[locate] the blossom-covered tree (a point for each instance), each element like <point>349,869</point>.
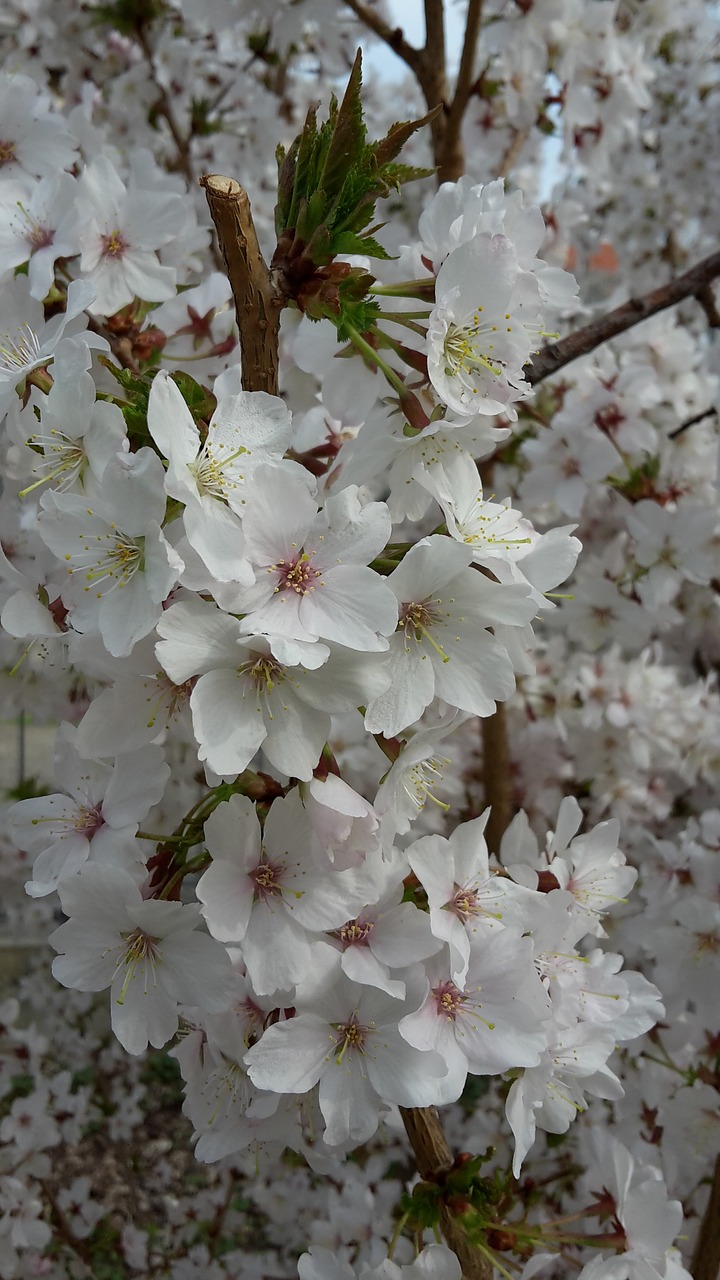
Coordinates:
<point>385,798</point>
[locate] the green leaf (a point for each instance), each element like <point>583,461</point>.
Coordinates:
<point>358,315</point>
<point>387,148</point>
<point>349,242</point>
<point>297,166</point>
<point>348,137</point>
<point>199,400</point>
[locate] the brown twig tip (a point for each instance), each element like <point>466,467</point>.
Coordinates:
<point>258,302</point>
<point>222,187</point>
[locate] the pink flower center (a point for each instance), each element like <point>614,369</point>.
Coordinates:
<point>417,616</point>
<point>40,237</point>
<point>298,575</point>
<point>448,999</point>
<point>89,820</point>
<point>267,878</point>
<point>351,1035</point>
<point>114,244</point>
<point>356,932</point>
<point>464,903</point>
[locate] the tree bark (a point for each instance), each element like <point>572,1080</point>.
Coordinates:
<point>258,303</point>
<point>433,1156</point>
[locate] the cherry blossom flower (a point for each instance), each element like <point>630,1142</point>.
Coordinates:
<point>31,341</point>
<point>120,233</point>
<point>35,140</point>
<point>149,954</point>
<point>39,229</point>
<point>441,647</point>
<point>124,567</point>
<point>260,887</point>
<point>95,816</point>
<point>247,698</point>
<point>312,579</point>
<point>348,1044</point>
<point>482,1027</point>
<point>483,328</point>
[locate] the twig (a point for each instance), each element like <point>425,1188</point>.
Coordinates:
<point>520,137</point>
<point>433,1156</point>
<point>581,343</point>
<point>496,776</point>
<point>164,108</point>
<point>705,1263</point>
<point>258,302</point>
<point>394,37</point>
<point>685,426</point>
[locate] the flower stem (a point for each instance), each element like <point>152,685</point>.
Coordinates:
<point>372,355</point>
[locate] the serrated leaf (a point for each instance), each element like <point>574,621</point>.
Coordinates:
<point>348,139</point>
<point>286,163</point>
<point>348,242</point>
<point>359,315</point>
<point>301,152</point>
<point>397,174</point>
<point>387,148</point>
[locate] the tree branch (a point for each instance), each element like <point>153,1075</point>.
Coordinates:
<point>453,162</point>
<point>435,31</point>
<point>258,302</point>
<point>705,1263</point>
<point>555,356</point>
<point>164,108</point>
<point>394,37</point>
<point>434,1157</point>
<point>496,776</point>
<point>519,138</point>
<point>690,422</point>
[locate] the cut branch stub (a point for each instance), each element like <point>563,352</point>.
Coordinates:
<point>258,298</point>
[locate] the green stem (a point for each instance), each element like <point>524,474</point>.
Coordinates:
<point>493,1259</point>
<point>156,839</point>
<point>371,354</point>
<point>396,1235</point>
<point>663,1062</point>
<point>197,863</point>
<point>404,319</point>
<point>405,289</point>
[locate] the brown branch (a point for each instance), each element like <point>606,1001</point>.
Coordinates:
<point>690,422</point>
<point>433,1158</point>
<point>452,165</point>
<point>705,1263</point>
<point>708,302</point>
<point>165,109</point>
<point>558,354</point>
<point>258,302</point>
<point>394,37</point>
<point>496,776</point>
<point>519,138</point>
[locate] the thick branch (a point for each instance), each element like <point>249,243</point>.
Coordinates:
<point>452,163</point>
<point>433,1156</point>
<point>706,1258</point>
<point>257,303</point>
<point>690,285</point>
<point>496,776</point>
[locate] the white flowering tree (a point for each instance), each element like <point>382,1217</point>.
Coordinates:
<point>365,549</point>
